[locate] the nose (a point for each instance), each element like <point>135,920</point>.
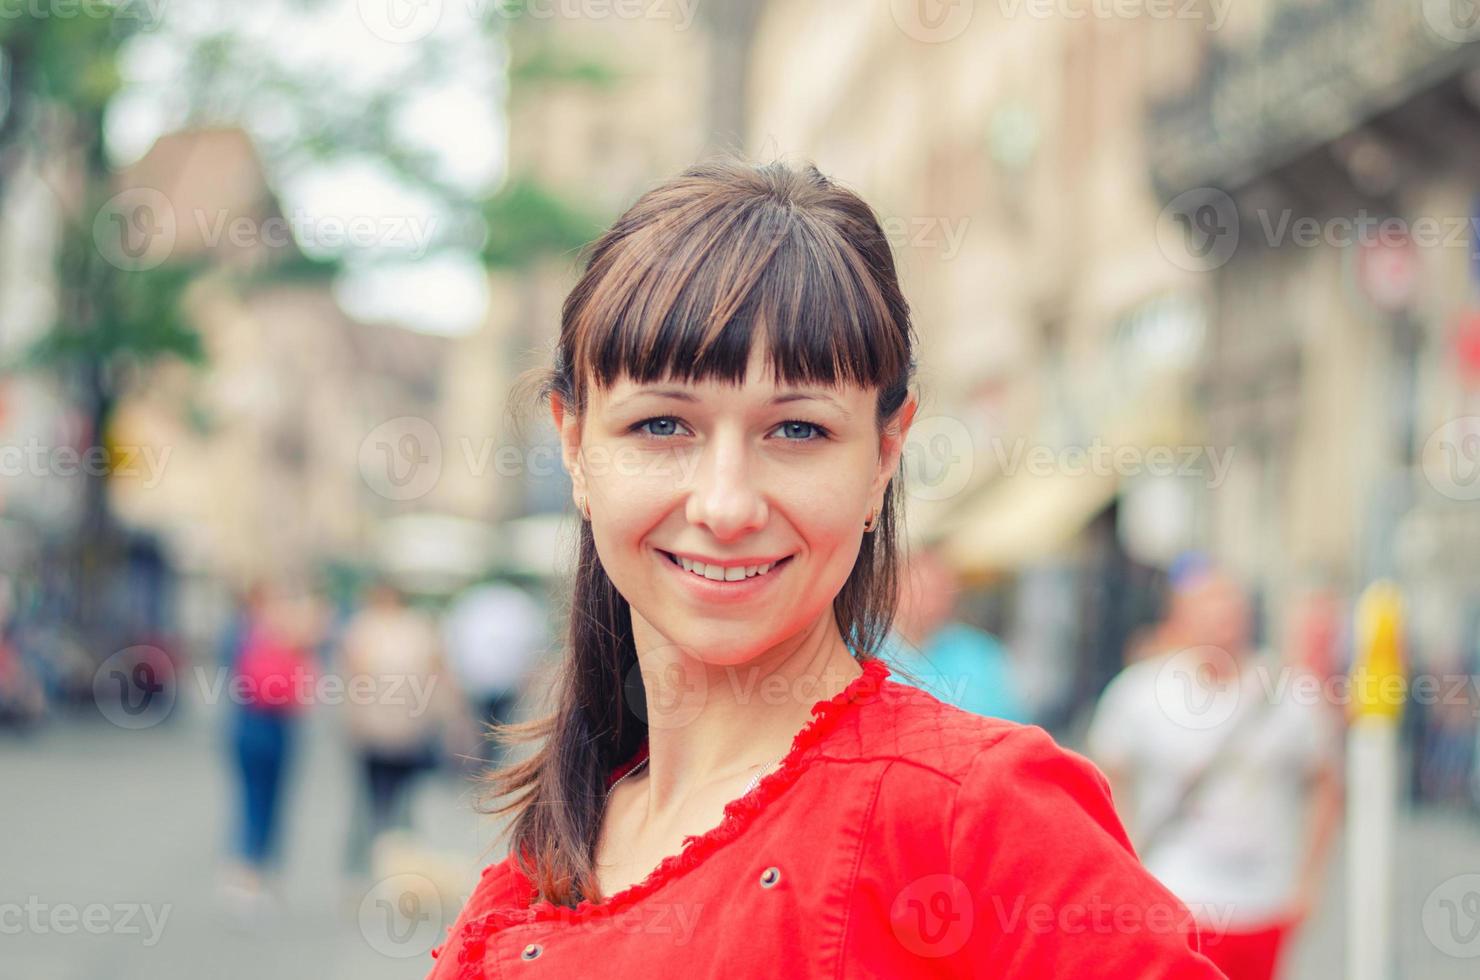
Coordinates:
<point>724,496</point>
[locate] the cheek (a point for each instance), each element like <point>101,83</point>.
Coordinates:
<point>639,498</point>
<point>830,488</point>
<point>825,518</point>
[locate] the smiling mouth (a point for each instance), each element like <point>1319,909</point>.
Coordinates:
<point>715,573</point>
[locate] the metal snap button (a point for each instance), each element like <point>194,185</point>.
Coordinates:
<point>531,951</point>
<point>770,876</point>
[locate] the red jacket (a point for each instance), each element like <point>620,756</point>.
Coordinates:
<point>900,837</point>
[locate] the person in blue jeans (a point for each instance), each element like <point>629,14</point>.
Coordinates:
<point>957,663</point>
<point>271,667</point>
<point>263,742</point>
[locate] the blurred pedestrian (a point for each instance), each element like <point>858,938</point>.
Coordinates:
<point>22,696</point>
<point>495,633</point>
<point>391,659</point>
<point>271,683</point>
<point>1225,773</point>
<point>957,663</point>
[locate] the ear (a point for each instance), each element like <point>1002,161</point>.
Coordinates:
<point>568,427</point>
<point>891,444</point>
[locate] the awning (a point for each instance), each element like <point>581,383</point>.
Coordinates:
<point>1019,520</point>
<point>1036,510</point>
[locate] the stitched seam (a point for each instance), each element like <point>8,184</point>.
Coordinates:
<point>864,828</point>
<point>986,744</point>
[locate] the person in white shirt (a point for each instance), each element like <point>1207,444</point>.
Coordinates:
<point>401,704</point>
<point>1224,767</point>
<point>494,634</point>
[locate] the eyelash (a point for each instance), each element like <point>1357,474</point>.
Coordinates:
<point>822,432</point>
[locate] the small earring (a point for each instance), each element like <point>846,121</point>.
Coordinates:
<point>868,525</point>
<point>584,507</point>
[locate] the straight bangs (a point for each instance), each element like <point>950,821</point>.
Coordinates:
<point>685,296</point>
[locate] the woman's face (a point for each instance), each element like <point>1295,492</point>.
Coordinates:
<point>742,479</point>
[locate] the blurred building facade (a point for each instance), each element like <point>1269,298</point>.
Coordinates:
<point>999,153</point>
<point>263,468</point>
<point>1337,143</point>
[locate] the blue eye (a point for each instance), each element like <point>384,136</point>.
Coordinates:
<point>821,432</point>
<point>660,419</point>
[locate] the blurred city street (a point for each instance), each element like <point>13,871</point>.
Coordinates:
<point>141,818</point>
<point>137,817</point>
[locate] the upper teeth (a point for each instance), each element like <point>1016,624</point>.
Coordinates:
<point>719,574</point>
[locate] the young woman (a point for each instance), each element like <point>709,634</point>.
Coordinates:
<point>731,784</point>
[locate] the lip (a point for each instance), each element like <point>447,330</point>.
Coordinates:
<point>712,591</point>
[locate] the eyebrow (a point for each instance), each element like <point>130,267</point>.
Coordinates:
<point>680,394</point>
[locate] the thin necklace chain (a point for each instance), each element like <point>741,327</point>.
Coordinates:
<point>754,780</point>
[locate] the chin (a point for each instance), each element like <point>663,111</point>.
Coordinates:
<point>717,646</point>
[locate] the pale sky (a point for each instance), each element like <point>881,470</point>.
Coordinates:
<point>359,44</point>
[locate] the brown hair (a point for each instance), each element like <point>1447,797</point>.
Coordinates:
<point>677,289</point>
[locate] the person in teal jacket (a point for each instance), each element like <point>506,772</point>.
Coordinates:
<point>957,663</point>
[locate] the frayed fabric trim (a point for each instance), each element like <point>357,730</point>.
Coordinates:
<point>738,815</point>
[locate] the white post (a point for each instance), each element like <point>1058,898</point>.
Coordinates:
<point>1378,689</point>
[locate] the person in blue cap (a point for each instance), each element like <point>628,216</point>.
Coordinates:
<point>957,663</point>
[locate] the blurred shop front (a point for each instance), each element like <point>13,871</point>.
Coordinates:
<point>1064,547</point>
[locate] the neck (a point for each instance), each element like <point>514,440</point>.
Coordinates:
<point>714,724</point>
